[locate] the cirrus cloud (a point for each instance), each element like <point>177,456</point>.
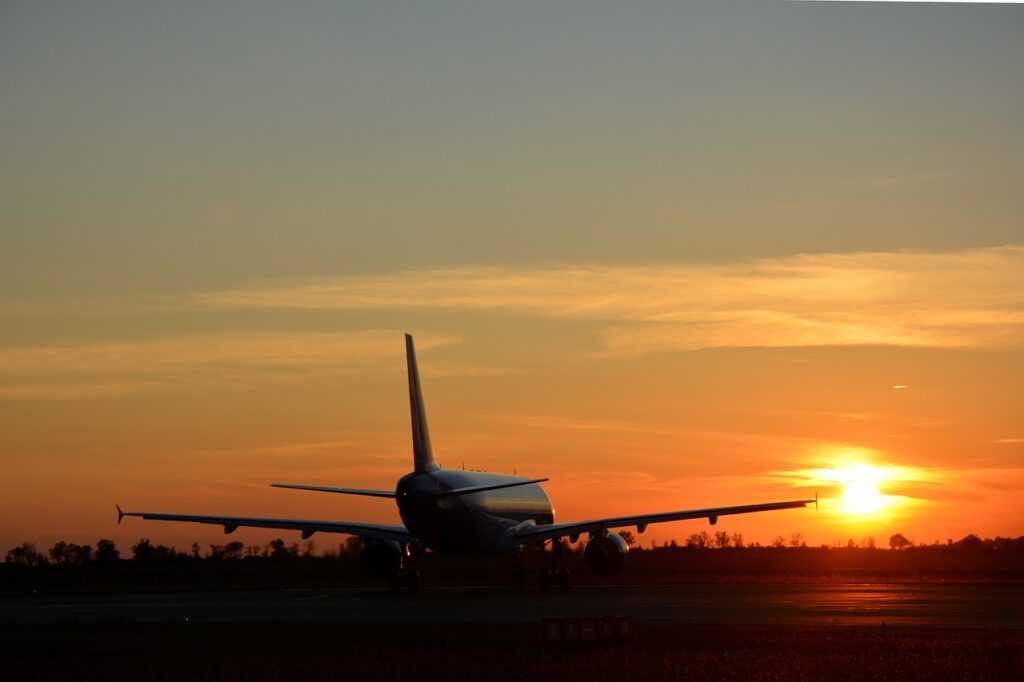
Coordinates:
<point>100,369</point>
<point>965,298</point>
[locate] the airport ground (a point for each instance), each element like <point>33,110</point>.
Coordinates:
<point>716,614</point>
<point>750,631</point>
<point>660,651</point>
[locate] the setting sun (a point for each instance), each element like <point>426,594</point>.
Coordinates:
<point>860,494</point>
<point>864,489</point>
<point>861,497</point>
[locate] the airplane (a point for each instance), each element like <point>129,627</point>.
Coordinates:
<point>468,512</point>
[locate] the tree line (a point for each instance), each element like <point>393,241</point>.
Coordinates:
<point>144,551</point>
<point>897,541</point>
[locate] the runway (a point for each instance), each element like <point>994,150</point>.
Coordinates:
<point>946,605</point>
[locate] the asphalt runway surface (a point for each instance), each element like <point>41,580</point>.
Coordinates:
<point>946,605</point>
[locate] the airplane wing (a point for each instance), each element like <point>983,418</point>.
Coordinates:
<point>231,523</point>
<point>574,529</point>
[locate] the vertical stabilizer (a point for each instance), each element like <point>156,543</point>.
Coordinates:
<point>423,456</point>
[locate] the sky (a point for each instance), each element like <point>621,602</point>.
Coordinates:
<point>668,254</point>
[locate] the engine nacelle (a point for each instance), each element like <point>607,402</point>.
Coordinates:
<point>381,559</point>
<point>605,554</point>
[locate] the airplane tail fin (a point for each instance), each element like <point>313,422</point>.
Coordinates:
<point>423,456</point>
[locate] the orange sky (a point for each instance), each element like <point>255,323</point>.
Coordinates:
<point>549,386</point>
<point>669,255</point>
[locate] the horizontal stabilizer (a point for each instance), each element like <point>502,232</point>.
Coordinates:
<point>343,491</point>
<point>482,488</point>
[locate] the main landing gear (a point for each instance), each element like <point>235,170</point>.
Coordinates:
<point>552,576</point>
<point>555,575</point>
<point>409,578</point>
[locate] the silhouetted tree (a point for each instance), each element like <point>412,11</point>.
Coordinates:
<point>106,551</point>
<point>700,540</point>
<point>737,540</point>
<point>197,552</point>
<point>972,541</point>
<point>233,550</point>
<point>59,553</point>
<point>797,540</point>
<point>142,550</point>
<point>721,539</point>
<point>79,554</point>
<point>898,541</point>
<point>278,550</point>
<point>778,541</point>
<point>25,553</point>
<point>145,551</point>
<point>628,537</point>
<point>1008,544</point>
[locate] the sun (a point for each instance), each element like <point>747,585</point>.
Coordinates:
<point>860,492</point>
<point>861,497</point>
<point>860,482</point>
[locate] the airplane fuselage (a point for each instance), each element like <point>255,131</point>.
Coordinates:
<point>473,523</point>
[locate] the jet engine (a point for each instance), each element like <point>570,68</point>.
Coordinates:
<point>381,559</point>
<point>605,554</point>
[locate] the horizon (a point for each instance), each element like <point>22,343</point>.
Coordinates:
<point>65,553</point>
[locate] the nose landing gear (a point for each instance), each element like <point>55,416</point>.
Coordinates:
<point>518,571</point>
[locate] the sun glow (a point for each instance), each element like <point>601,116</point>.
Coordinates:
<point>862,484</point>
<point>861,497</point>
<point>860,492</point>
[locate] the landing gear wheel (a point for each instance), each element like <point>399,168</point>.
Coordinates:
<point>545,580</point>
<point>562,578</point>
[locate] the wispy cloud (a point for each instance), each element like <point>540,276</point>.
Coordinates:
<point>573,424</point>
<point>120,367</point>
<point>222,349</point>
<point>966,298</point>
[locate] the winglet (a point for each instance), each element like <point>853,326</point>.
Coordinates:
<point>120,514</point>
<point>815,500</point>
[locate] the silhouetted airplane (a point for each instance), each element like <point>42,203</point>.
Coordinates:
<point>468,512</point>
